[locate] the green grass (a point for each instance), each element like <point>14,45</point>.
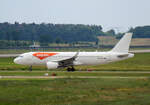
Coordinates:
<point>141,62</point>
<point>68,74</point>
<point>69,91</point>
<point>75,92</point>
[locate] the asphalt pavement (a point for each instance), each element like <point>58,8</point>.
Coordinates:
<point>80,77</point>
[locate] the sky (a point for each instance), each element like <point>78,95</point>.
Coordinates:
<point>117,14</point>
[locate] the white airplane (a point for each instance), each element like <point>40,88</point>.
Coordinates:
<point>54,60</point>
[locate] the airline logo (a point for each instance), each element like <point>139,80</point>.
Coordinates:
<point>42,55</point>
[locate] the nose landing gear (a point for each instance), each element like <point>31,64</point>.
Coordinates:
<point>30,68</point>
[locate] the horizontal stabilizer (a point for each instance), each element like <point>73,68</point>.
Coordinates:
<point>123,55</point>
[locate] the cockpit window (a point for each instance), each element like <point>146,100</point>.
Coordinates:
<point>20,56</point>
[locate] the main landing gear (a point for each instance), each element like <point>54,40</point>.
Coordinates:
<point>71,69</point>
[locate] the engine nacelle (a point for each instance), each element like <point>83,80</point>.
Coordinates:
<point>52,65</point>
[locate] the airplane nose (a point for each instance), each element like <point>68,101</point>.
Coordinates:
<point>16,60</point>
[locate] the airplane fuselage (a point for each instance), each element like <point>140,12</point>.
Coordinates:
<point>55,60</point>
<point>84,58</point>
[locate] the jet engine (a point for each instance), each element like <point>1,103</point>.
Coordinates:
<point>52,65</point>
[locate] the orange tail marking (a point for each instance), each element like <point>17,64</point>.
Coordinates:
<point>42,55</point>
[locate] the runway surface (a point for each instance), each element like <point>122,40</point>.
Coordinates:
<point>116,74</point>
<point>8,55</point>
<point>133,51</point>
<point>148,72</point>
<point>84,77</point>
<point>139,51</point>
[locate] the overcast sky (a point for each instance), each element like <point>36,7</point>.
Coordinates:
<point>119,14</point>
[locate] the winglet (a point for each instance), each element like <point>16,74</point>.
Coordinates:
<point>123,45</point>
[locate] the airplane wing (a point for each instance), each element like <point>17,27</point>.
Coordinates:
<point>67,62</point>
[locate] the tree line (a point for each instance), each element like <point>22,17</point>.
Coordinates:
<point>138,32</point>
<point>49,32</point>
<point>59,33</point>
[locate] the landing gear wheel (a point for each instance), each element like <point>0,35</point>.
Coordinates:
<point>72,69</point>
<point>30,68</point>
<point>69,69</point>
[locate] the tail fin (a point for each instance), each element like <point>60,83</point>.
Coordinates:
<point>123,45</point>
